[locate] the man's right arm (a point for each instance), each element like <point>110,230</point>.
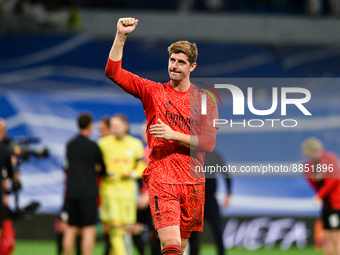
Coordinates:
<point>124,27</point>
<point>129,82</point>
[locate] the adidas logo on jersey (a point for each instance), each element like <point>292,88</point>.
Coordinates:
<point>168,103</point>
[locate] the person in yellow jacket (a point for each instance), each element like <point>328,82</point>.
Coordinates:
<point>122,155</point>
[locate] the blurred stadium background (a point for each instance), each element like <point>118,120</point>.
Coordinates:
<point>52,60</point>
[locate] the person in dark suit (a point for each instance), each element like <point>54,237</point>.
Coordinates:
<point>84,161</point>
<point>211,208</point>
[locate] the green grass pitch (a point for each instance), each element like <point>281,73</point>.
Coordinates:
<point>49,248</point>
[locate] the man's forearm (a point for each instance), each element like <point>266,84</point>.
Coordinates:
<point>203,143</point>
<point>116,52</point>
<point>190,141</point>
<point>124,27</point>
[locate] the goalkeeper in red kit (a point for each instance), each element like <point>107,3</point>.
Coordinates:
<point>178,137</point>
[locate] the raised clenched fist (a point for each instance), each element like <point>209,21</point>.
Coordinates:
<point>126,25</point>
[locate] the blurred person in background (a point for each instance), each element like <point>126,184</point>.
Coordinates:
<point>322,172</point>
<point>185,5</point>
<point>60,225</point>
<point>8,6</point>
<point>122,153</point>
<point>83,161</point>
<point>7,159</point>
<point>104,130</point>
<point>216,5</point>
<point>211,208</point>
<point>207,5</point>
<point>38,14</point>
<point>61,222</point>
<point>13,149</point>
<point>104,127</point>
<point>316,7</point>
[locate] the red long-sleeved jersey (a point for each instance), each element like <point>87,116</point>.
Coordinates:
<point>169,161</point>
<point>328,187</point>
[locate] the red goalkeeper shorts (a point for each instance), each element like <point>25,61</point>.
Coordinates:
<point>177,204</point>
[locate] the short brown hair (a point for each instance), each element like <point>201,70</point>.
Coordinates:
<point>84,120</point>
<point>188,48</point>
<point>124,119</point>
<point>106,121</point>
<point>311,144</point>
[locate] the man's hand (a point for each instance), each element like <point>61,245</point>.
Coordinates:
<point>162,130</point>
<point>126,25</point>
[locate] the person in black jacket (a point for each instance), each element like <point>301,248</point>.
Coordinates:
<point>7,159</point>
<point>5,162</point>
<point>211,208</point>
<point>84,160</point>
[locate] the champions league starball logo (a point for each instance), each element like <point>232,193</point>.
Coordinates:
<point>239,105</point>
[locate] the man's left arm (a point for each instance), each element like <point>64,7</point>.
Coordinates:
<point>206,141</point>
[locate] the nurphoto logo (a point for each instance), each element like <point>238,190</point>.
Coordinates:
<point>239,105</point>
